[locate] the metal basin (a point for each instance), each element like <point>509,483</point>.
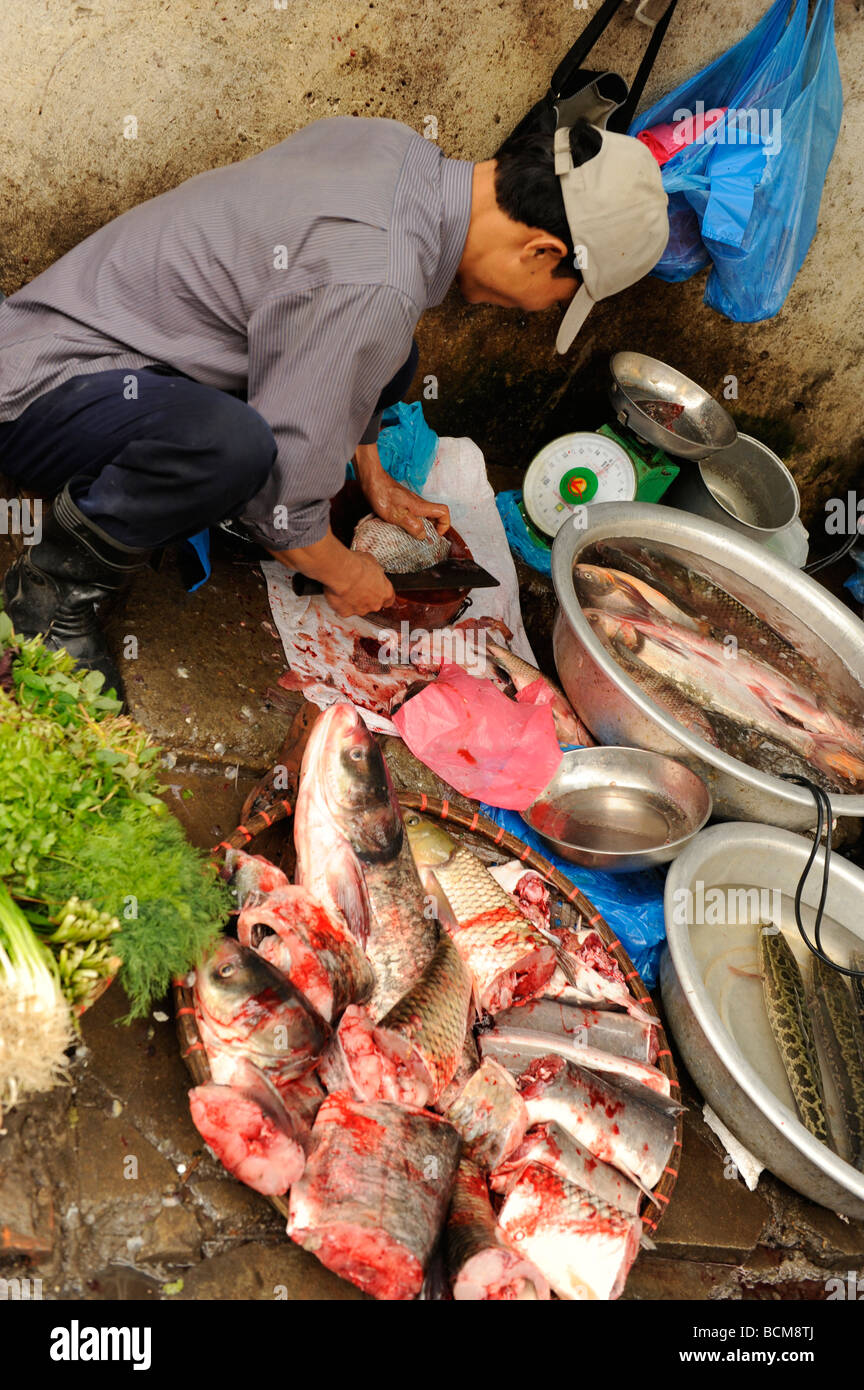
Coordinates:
<point>641,384</point>
<point>733,1086</point>
<point>618,712</point>
<point>745,486</point>
<point>619,809</point>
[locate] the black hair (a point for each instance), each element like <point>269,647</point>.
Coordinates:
<point>527,188</point>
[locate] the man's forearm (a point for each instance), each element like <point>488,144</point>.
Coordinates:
<point>327,560</point>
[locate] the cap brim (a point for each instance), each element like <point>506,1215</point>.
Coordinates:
<point>577,312</point>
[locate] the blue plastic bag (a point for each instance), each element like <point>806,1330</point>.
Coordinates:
<point>855,582</point>
<point>632,904</point>
<point>756,259</point>
<point>406,444</point>
<point>732,80</point>
<point>520,538</point>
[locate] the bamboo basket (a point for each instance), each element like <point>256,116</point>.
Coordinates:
<point>265,834</point>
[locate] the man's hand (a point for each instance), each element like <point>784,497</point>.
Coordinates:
<point>353,582</point>
<point>391,500</point>
<point>361,587</point>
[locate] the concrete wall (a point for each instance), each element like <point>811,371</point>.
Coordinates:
<point>211,81</point>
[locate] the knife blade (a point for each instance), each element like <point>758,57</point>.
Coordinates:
<point>451,574</point>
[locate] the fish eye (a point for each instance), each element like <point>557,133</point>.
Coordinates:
<point>412,820</point>
<point>356,755</point>
<point>225,971</point>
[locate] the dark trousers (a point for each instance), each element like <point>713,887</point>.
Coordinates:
<point>150,456</point>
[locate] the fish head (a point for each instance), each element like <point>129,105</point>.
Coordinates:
<point>595,585</point>
<point>231,976</point>
<point>612,631</point>
<point>430,844</point>
<point>350,776</point>
<point>254,1004</point>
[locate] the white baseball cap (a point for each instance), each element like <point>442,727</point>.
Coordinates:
<point>616,211</point>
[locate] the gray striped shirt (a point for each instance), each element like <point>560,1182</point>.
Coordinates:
<point>296,276</point>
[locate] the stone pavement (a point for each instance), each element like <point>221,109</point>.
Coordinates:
<point>106,1189</point>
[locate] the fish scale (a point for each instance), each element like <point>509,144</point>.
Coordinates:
<point>481,1264</point>
<point>786,1004</point>
<point>433,1015</point>
<point>491,933</point>
<point>395,549</point>
<point>842,1037</point>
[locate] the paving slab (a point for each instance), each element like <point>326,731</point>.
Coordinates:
<point>265,1273</point>
<point>197,666</point>
<point>711,1217</point>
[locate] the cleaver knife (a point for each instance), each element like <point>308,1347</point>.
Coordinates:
<point>451,574</point>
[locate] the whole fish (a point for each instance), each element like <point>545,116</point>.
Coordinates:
<point>481,1264</point>
<point>599,980</point>
<point>490,1115</point>
<point>374,1193</point>
<point>245,1008</point>
<point>583,1246</point>
<point>743,688</point>
<point>662,691</point>
<point>395,549</point>
<point>619,1034</point>
<point>717,612</point>
<point>786,1005</point>
<point>517,1047</point>
<point>625,596</point>
<point>635,1138</point>
<point>311,945</point>
<point>413,1053</point>
<point>353,856</point>
<point>257,1137</point>
<point>508,959</point>
<point>838,1029</point>
<point>568,726</point>
<point>553,1147</point>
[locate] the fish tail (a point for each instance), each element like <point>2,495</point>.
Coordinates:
<point>841,761</point>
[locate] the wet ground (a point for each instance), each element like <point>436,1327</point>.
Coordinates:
<point>106,1190</point>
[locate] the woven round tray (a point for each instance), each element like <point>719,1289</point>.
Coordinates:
<point>265,834</point>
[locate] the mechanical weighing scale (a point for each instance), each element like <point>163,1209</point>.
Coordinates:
<point>659,413</point>
<point>610,465</point>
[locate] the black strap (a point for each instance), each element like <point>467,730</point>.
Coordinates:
<point>583,45</point>
<point>621,119</point>
<point>594,29</point>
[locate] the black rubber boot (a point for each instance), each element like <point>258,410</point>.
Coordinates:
<point>57,586</point>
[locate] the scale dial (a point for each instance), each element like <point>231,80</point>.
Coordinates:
<point>573,471</point>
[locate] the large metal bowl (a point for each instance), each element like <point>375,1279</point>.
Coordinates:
<point>701,429</point>
<point>733,855</point>
<point>745,486</point>
<point>621,808</point>
<point>618,712</point>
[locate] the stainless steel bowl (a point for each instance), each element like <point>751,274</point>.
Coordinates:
<point>743,854</point>
<point>619,809</point>
<point>618,712</point>
<point>745,486</point>
<point>701,429</point>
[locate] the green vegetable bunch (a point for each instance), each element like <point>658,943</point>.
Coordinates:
<point>99,867</point>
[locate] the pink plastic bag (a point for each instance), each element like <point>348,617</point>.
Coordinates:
<point>484,745</point>
<point>664,141</point>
